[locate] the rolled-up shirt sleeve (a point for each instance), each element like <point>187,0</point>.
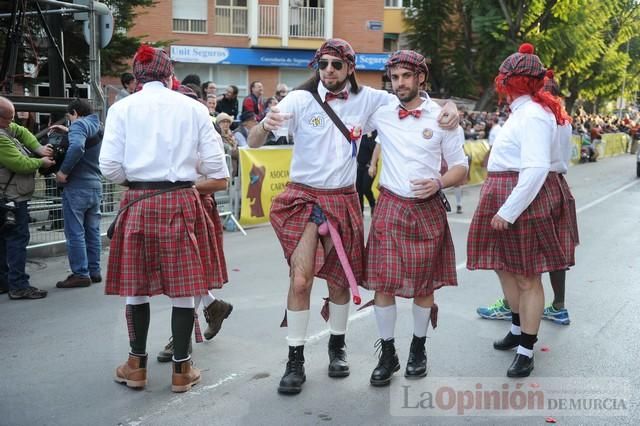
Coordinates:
<point>210,150</point>
<point>453,148</point>
<point>112,150</point>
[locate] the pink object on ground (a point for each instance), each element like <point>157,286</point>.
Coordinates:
<point>326,228</point>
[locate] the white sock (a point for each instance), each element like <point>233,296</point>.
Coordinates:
<point>338,318</point>
<point>181,360</point>
<point>386,320</point>
<point>458,191</point>
<point>515,330</point>
<point>137,300</point>
<point>297,322</point>
<point>208,298</point>
<point>197,300</point>
<point>524,351</point>
<point>421,317</point>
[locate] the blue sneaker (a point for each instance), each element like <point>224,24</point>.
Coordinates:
<point>497,311</point>
<point>559,316</point>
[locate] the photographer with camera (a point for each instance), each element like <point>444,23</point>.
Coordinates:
<point>80,178</point>
<point>17,183</point>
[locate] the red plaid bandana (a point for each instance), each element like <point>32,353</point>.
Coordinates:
<point>335,47</point>
<point>524,62</point>
<point>151,64</point>
<point>404,113</point>
<point>408,59</point>
<point>331,96</point>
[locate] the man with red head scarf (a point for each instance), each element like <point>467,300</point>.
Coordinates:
<point>410,252</point>
<point>567,226</point>
<point>158,142</point>
<point>514,229</point>
<point>323,174</point>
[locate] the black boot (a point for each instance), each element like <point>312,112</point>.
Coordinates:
<point>338,366</point>
<point>521,366</point>
<point>388,363</point>
<point>509,341</point>
<point>417,363</point>
<point>294,377</point>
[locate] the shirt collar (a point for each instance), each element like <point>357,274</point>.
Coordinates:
<point>426,105</point>
<point>322,91</point>
<point>519,101</point>
<point>154,85</point>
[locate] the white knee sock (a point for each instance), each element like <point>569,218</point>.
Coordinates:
<point>208,298</point>
<point>297,322</point>
<point>421,317</point>
<point>183,302</point>
<point>338,318</point>
<point>524,351</point>
<point>386,320</point>
<point>137,300</point>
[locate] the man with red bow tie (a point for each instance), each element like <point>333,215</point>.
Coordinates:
<point>323,174</point>
<point>410,252</point>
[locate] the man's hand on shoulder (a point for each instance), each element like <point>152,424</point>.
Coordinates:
<point>448,118</point>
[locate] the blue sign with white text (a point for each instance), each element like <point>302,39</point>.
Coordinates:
<point>265,57</point>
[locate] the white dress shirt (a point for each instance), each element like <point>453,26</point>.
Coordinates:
<point>322,156</point>
<point>412,148</point>
<point>562,149</point>
<point>524,145</point>
<point>160,135</point>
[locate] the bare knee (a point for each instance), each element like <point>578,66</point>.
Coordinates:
<point>338,295</point>
<point>300,284</point>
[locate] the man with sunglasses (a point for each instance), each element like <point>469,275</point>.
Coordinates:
<point>323,173</point>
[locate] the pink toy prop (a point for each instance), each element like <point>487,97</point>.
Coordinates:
<point>326,228</point>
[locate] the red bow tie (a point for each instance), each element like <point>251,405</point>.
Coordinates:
<point>404,113</point>
<point>331,96</point>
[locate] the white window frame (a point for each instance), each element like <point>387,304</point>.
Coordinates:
<point>232,11</point>
<point>189,23</point>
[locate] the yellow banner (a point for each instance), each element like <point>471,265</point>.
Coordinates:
<point>264,173</point>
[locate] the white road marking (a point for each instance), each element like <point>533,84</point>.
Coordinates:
<point>606,197</point>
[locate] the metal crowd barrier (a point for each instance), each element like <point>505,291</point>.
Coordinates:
<point>228,202</point>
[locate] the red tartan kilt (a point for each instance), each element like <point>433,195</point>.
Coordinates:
<point>531,245</point>
<point>209,204</point>
<point>290,213</point>
<point>163,244</point>
<point>567,225</point>
<point>410,252</point>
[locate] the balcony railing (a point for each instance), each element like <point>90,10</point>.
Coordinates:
<point>307,22</point>
<point>231,20</point>
<point>269,21</point>
<point>190,26</point>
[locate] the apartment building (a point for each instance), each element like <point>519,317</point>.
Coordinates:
<point>239,41</point>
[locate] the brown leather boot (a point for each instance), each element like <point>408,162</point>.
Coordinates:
<point>184,376</point>
<point>74,281</point>
<point>215,313</point>
<point>133,373</point>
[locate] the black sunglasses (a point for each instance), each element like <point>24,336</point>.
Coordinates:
<point>337,65</point>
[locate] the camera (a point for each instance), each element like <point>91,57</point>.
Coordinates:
<point>7,213</point>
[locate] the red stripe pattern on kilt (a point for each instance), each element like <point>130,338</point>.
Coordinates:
<point>531,245</point>
<point>290,213</point>
<point>409,252</point>
<point>163,244</point>
<point>567,226</point>
<point>209,204</point>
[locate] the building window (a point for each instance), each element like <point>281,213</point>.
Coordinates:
<point>400,3</point>
<point>190,16</point>
<point>306,18</point>
<point>232,17</point>
<point>390,42</point>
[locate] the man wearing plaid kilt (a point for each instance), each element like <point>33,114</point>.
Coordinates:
<point>514,229</point>
<point>410,252</point>
<point>323,174</point>
<point>157,142</point>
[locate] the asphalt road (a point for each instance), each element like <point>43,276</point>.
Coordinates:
<point>58,355</point>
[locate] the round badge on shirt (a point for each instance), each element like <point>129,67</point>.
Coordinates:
<point>427,133</point>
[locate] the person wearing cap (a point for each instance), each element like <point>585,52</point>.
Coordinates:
<point>513,230</point>
<point>567,226</point>
<point>322,190</point>
<point>247,122</point>
<point>163,241</point>
<point>410,252</point>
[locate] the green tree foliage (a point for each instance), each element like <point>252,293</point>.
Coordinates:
<point>584,41</point>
